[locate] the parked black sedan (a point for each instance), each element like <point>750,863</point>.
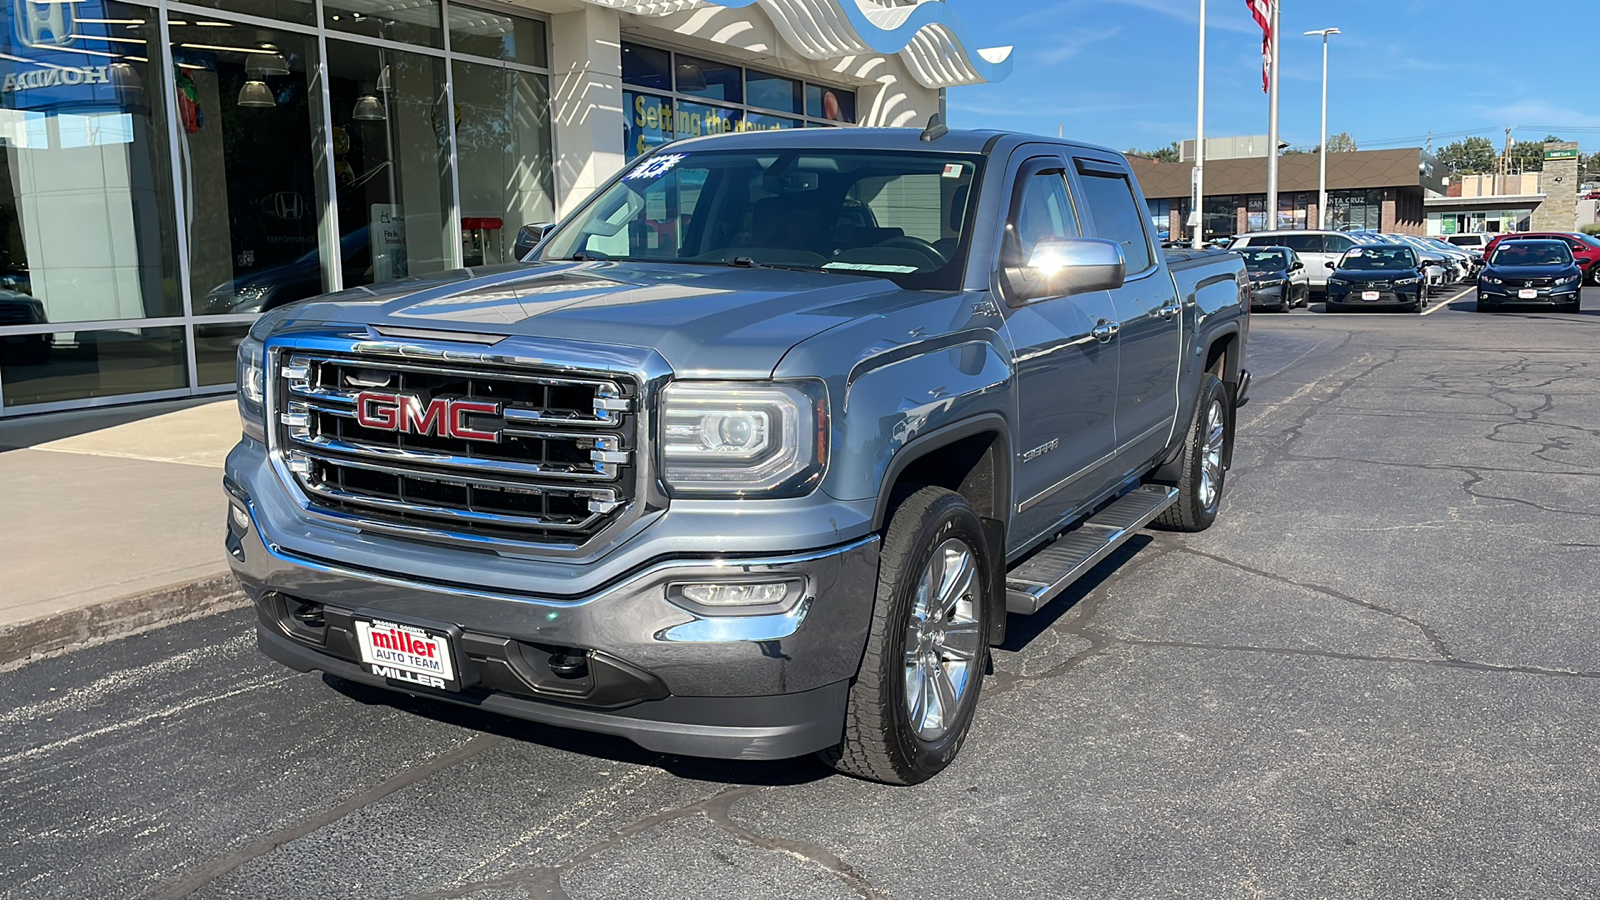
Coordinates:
<point>1278,279</point>
<point>1377,275</point>
<point>1542,273</point>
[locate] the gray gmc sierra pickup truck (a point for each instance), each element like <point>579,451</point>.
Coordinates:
<point>753,453</point>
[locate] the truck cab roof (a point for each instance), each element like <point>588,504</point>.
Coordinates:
<point>906,139</point>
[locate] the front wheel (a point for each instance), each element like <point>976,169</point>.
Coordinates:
<point>1204,462</point>
<point>913,700</point>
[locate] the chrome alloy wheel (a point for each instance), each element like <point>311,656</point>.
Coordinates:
<point>942,642</point>
<point>1211,456</point>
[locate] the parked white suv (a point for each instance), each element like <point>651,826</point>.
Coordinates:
<point>1315,248</point>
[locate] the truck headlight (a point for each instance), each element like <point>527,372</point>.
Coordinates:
<point>1570,279</point>
<point>735,439</point>
<point>253,388</point>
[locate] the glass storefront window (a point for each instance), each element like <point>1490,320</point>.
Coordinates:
<point>646,67</point>
<point>300,12</point>
<point>69,365</point>
<point>411,21</point>
<point>248,104</point>
<point>707,80</point>
<point>478,32</point>
<point>215,350</point>
<point>774,92</point>
<point>391,145</point>
<point>86,211</point>
<point>506,173</point>
<point>647,122</point>
<point>832,104</point>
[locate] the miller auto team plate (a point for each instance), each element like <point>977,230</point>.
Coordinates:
<point>405,653</point>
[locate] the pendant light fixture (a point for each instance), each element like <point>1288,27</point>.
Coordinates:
<point>125,79</point>
<point>690,78</point>
<point>385,80</point>
<point>368,107</point>
<point>256,94</point>
<point>269,61</point>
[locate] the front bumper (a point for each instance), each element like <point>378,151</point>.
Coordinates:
<point>1503,295</point>
<point>770,685</point>
<point>1267,297</point>
<point>1407,296</point>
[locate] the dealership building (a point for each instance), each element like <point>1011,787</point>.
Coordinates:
<point>173,168</point>
<point>1368,190</point>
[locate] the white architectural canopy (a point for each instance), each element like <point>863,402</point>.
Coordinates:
<point>930,39</point>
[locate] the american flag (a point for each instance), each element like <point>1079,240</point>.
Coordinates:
<point>1262,11</point>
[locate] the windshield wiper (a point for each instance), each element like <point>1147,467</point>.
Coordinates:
<point>745,262</point>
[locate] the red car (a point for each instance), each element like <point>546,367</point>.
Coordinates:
<point>1585,249</point>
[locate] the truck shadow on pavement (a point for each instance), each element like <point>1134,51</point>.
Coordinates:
<point>602,747</point>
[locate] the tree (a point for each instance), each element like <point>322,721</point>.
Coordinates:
<point>1342,143</point>
<point>1170,153</point>
<point>1528,156</point>
<point>1472,156</point>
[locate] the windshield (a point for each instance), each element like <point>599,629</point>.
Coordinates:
<point>1589,239</point>
<point>1466,240</point>
<point>1266,260</point>
<point>897,215</point>
<point>1381,257</point>
<point>1532,253</point>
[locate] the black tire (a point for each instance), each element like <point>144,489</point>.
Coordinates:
<point>1477,306</point>
<point>1192,512</point>
<point>880,742</point>
<point>1332,307</point>
<point>1573,307</point>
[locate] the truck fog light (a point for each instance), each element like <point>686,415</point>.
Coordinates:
<point>734,595</point>
<point>241,519</point>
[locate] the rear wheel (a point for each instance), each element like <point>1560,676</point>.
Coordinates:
<point>1204,462</point>
<point>913,700</point>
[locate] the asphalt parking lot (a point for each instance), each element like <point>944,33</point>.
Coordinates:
<point>1377,676</point>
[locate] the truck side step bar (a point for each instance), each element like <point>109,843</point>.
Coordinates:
<point>1032,585</point>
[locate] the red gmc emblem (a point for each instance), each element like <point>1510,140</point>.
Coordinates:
<point>440,417</point>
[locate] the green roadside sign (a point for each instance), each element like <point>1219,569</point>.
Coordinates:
<point>1561,154</point>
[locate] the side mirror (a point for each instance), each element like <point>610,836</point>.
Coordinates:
<point>1331,264</point>
<point>528,237</point>
<point>1063,266</point>
<point>1297,266</point>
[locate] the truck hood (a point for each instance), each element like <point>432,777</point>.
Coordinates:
<point>733,322</point>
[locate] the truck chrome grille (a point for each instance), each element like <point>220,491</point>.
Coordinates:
<point>494,452</point>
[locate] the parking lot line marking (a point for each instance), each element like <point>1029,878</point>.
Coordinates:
<point>1445,303</point>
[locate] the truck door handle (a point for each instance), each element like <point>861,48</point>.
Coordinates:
<point>1105,331</point>
<point>1170,310</point>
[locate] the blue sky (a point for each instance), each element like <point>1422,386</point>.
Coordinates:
<point>1121,73</point>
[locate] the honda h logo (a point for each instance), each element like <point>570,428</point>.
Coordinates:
<point>440,417</point>
<point>43,24</point>
<point>289,205</point>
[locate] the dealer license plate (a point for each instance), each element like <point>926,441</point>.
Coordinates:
<point>407,653</point>
<point>1527,294</point>
<point>1369,295</point>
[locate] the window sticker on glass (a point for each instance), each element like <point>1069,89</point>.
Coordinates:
<point>1354,252</point>
<point>867,267</point>
<point>952,170</point>
<point>656,166</point>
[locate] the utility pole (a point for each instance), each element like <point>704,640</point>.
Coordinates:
<point>1322,149</point>
<point>1197,189</point>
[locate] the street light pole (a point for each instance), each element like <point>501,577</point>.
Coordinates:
<point>1197,189</point>
<point>1322,149</point>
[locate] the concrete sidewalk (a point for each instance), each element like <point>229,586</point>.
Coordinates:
<point>110,521</point>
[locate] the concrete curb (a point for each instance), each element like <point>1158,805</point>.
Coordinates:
<point>114,618</point>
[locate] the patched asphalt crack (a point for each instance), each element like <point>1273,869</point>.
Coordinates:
<point>1427,632</point>
<point>544,882</point>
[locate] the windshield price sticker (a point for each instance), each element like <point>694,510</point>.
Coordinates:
<point>952,170</point>
<point>1355,252</point>
<point>655,167</point>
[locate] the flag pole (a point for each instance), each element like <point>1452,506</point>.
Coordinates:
<point>1197,190</point>
<point>1272,126</point>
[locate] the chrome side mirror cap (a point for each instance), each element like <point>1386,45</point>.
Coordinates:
<point>1061,267</point>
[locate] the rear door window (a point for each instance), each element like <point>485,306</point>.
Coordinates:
<point>1301,243</point>
<point>1116,215</point>
<point>1337,243</point>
